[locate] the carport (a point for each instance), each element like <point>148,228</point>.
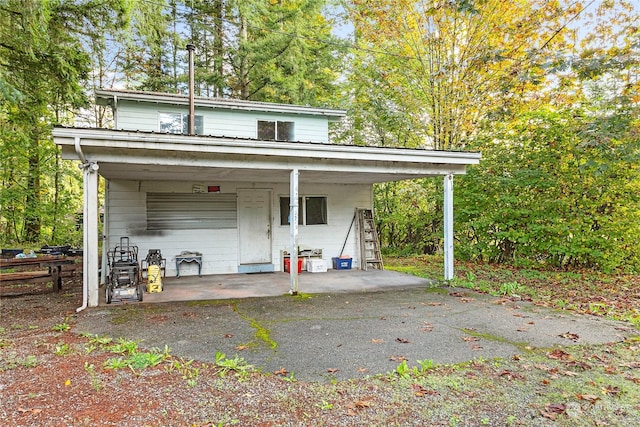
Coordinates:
<point>139,155</point>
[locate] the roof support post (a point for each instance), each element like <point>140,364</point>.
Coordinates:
<point>90,235</point>
<point>448,227</point>
<point>293,232</point>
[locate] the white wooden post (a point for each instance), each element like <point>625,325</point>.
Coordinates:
<point>293,232</point>
<point>448,227</point>
<point>90,233</point>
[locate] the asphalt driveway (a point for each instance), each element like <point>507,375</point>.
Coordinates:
<point>350,335</point>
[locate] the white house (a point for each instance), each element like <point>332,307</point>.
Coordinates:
<point>228,191</point>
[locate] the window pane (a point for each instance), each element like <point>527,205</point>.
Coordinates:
<point>199,123</point>
<point>316,210</point>
<point>284,211</point>
<point>266,130</point>
<point>285,131</point>
<point>170,122</point>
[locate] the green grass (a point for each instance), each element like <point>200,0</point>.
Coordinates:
<point>591,292</point>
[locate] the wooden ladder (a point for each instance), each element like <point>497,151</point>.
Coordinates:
<point>370,256</point>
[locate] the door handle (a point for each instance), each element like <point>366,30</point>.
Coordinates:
<point>268,231</point>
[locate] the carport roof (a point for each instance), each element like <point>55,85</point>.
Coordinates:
<point>140,155</point>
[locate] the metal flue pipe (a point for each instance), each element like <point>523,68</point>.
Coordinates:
<point>192,109</point>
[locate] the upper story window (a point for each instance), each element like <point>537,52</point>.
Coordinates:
<point>179,123</point>
<point>275,131</point>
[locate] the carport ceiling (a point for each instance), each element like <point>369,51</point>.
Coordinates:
<point>216,174</point>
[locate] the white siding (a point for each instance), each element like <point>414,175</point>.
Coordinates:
<point>230,123</point>
<point>342,200</point>
<point>127,217</point>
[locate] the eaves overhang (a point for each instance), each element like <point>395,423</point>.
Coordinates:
<point>150,155</point>
<point>112,97</point>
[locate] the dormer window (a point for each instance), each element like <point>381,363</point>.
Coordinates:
<point>275,131</point>
<point>179,123</point>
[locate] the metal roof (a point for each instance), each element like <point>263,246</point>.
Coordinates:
<point>159,156</point>
<point>113,96</point>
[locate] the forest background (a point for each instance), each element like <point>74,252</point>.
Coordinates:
<point>547,90</point>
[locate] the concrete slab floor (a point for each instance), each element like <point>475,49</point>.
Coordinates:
<point>231,286</point>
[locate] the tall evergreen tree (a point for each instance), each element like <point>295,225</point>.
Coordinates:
<point>44,64</point>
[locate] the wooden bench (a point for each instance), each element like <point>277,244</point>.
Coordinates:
<point>20,277</point>
<point>54,272</point>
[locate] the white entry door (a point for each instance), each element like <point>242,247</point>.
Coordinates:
<point>254,225</point>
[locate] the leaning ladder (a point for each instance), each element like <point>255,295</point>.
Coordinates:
<point>370,256</point>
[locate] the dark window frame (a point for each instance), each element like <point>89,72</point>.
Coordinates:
<point>306,214</point>
<point>276,130</point>
<point>171,127</point>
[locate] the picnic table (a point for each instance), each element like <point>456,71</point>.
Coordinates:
<point>53,272</point>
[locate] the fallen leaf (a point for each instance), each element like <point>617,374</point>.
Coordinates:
<point>363,370</point>
<point>551,410</point>
<point>588,397</point>
<point>476,347</point>
<point>360,404</point>
<point>570,336</point>
<point>569,373</point>
<point>377,341</point>
<point>403,340</point>
<point>611,369</point>
<point>241,347</point>
<point>457,294</point>
<point>579,365</point>
<point>470,339</point>
<point>428,327</point>
<point>516,357</point>
<point>281,371</point>
<point>611,390</point>
<point>434,304</point>
<point>510,375</point>
<point>228,335</point>
<point>67,383</point>
<point>466,300</point>
<point>396,358</point>
<point>332,370</point>
<point>522,329</point>
<point>633,379</point>
<point>420,391</point>
<point>559,355</point>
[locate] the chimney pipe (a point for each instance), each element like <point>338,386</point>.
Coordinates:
<point>192,118</point>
